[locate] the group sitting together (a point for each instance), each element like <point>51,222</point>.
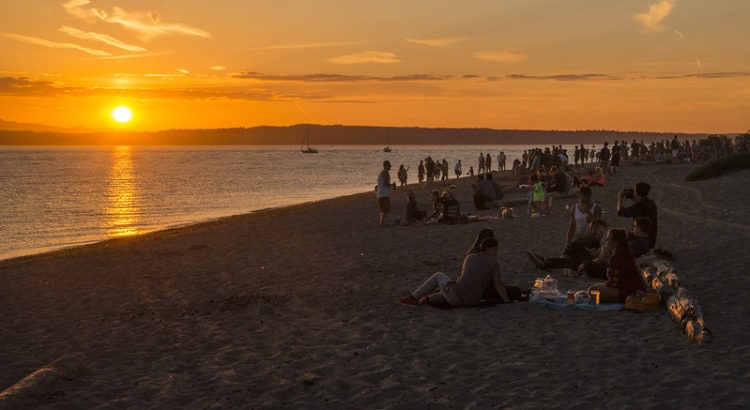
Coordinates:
<point>591,249</point>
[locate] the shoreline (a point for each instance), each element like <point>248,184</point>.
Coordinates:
<point>296,307</point>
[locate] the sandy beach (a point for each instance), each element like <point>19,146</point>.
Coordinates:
<point>297,308</point>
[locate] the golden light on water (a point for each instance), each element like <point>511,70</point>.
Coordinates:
<point>122,195</point>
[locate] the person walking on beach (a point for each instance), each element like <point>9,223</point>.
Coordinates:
<point>420,171</point>
<point>457,169</point>
<point>383,191</point>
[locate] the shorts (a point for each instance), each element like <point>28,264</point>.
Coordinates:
<point>384,204</point>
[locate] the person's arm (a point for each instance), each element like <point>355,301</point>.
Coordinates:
<point>571,226</point>
<point>619,202</point>
<point>500,287</point>
<point>597,212</point>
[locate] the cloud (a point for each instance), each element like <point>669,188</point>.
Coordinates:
<point>25,86</point>
<point>53,44</point>
<point>307,45</point>
<point>379,57</point>
<point>218,68</point>
<point>652,21</point>
<point>336,78</point>
<point>436,42</point>
<point>508,56</point>
<point>562,77</point>
<point>147,24</point>
<point>103,38</point>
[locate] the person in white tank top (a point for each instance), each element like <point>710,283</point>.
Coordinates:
<point>581,214</point>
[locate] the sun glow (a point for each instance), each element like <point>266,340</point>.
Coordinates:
<point>122,114</point>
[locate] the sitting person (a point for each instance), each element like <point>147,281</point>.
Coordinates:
<point>558,186</point>
<point>412,213</point>
<point>451,209</point>
<point>581,214</point>
<point>437,205</point>
<point>499,193</point>
<point>623,276</point>
<point>638,239</point>
<point>479,271</point>
<point>584,248</point>
<point>484,194</point>
<point>481,236</point>
<point>594,178</point>
<point>643,206</point>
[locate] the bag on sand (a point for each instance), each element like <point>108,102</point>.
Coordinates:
<point>640,301</point>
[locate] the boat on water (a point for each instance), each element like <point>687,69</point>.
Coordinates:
<point>306,148</point>
<point>387,149</point>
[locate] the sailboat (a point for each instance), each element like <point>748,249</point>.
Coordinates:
<point>388,146</point>
<point>306,148</point>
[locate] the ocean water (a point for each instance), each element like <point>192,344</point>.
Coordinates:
<point>58,197</point>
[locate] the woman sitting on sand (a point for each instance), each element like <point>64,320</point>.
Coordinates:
<point>479,271</point>
<point>624,278</point>
<point>595,178</point>
<point>481,236</point>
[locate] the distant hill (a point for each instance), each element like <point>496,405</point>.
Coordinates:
<point>322,135</point>
<point>24,126</point>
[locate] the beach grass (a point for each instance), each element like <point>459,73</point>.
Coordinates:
<point>716,168</point>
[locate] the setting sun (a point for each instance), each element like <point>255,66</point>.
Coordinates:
<point>122,114</point>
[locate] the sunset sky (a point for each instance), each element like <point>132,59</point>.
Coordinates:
<point>649,65</point>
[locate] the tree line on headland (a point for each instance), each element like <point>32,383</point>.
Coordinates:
<point>323,135</point>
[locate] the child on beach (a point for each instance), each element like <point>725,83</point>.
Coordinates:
<point>537,194</point>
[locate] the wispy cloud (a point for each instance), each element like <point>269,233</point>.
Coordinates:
<point>103,38</point>
<point>147,24</point>
<point>652,21</point>
<point>53,44</point>
<point>562,77</point>
<point>307,45</point>
<point>436,42</point>
<point>337,78</point>
<point>378,57</point>
<point>218,68</point>
<point>507,56</point>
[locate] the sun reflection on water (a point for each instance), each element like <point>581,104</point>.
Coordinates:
<point>122,200</point>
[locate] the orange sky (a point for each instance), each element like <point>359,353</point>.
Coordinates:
<point>652,65</point>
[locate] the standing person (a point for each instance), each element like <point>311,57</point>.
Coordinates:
<point>479,272</point>
<point>604,155</point>
<point>457,169</point>
<point>488,163</point>
<point>480,168</point>
<point>383,191</point>
<point>444,171</point>
<point>402,175</point>
<point>420,171</point>
<point>501,160</point>
<point>537,193</point>
<point>614,161</point>
<point>643,206</point>
<point>623,276</point>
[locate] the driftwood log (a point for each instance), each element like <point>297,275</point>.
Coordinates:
<point>41,381</point>
<point>661,275</point>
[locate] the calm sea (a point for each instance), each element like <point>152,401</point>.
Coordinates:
<point>57,197</point>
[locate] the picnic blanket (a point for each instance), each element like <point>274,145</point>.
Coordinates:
<point>560,303</point>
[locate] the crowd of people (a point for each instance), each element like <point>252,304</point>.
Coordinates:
<point>591,248</point>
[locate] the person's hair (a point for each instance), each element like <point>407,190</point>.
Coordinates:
<point>489,175</point>
<point>386,163</point>
<point>642,189</point>
<point>488,244</point>
<point>481,236</point>
<point>644,223</point>
<point>619,237</point>
<point>585,191</point>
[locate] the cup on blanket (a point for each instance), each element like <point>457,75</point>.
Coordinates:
<point>594,297</point>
